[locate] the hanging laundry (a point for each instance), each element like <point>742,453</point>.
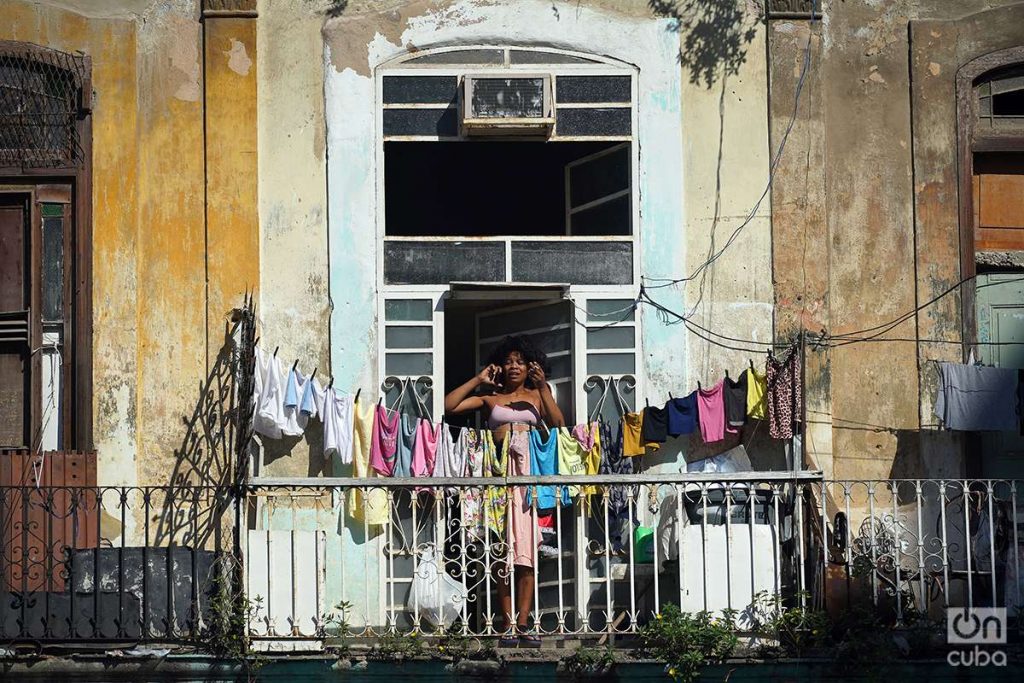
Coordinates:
<point>270,410</point>
<point>369,505</point>
<point>451,458</point>
<point>571,454</point>
<point>308,403</point>
<point>631,426</point>
<point>384,445</point>
<point>514,460</point>
<point>406,440</point>
<point>337,420</point>
<point>757,389</point>
<point>682,415</point>
<point>654,431</point>
<point>735,402</point>
<point>785,395</point>
<point>424,449</point>
<point>294,419</point>
<point>589,438</point>
<point>711,412</point>
<point>613,461</point>
<point>472,443</point>
<point>495,497</point>
<point>976,398</point>
<point>544,458</point>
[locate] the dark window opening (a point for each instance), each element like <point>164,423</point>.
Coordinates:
<point>490,188</point>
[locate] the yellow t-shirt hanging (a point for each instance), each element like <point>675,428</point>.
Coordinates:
<point>631,427</point>
<point>757,388</point>
<point>372,503</point>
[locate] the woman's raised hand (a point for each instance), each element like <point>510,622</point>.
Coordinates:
<point>489,375</point>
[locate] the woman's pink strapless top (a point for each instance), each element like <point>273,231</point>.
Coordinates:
<point>502,415</point>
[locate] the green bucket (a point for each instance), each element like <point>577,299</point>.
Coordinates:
<point>643,545</point>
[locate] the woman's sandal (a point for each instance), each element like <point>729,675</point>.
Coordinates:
<point>508,640</point>
<point>529,641</point>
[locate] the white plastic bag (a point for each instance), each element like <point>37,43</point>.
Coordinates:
<point>438,597</point>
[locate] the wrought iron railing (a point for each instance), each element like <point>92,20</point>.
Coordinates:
<point>83,564</point>
<point>304,561</point>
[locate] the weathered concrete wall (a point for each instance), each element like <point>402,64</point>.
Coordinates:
<point>162,271</point>
<point>865,219</point>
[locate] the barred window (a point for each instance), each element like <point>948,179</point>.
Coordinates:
<point>42,100</point>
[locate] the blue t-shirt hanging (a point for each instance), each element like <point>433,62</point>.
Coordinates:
<point>544,461</point>
<point>682,415</point>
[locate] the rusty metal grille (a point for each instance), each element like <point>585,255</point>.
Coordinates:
<point>41,101</point>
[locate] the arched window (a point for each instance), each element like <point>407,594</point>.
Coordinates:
<point>1000,97</point>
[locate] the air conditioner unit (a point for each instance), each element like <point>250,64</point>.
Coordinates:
<point>511,104</point>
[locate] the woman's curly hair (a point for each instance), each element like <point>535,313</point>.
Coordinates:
<point>522,343</point>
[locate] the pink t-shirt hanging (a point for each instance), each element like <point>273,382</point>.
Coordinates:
<point>384,444</point>
<point>424,449</point>
<point>711,412</point>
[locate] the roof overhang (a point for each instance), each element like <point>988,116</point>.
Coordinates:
<point>532,291</point>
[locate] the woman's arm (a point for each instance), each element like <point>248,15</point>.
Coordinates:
<point>459,401</point>
<point>550,411</point>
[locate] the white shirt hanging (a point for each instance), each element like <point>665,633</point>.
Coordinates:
<point>270,404</point>
<point>337,418</point>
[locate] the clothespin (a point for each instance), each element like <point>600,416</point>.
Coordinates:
<point>670,396</point>
<point>275,351</point>
<point>331,383</point>
<point>699,387</point>
<point>727,374</point>
<point>313,375</point>
<point>751,363</point>
<point>295,364</point>
<point>357,395</point>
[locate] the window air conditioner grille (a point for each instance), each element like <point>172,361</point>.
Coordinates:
<point>508,98</point>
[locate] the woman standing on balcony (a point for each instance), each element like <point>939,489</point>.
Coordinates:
<point>516,397</point>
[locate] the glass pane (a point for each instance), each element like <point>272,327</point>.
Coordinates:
<point>548,342</point>
<point>408,337</point>
<point>618,121</point>
<point>512,322</point>
<point>417,263</point>
<point>408,309</point>
<point>611,363</point>
<point>492,57</point>
<point>561,366</point>
<point>408,364</point>
<point>431,122</point>
<point>593,89</point>
<point>53,263</point>
<point>608,310</point>
<point>611,338</point>
<point>421,90</point>
<point>582,263</point>
<point>610,218</point>
<point>599,177</point>
<point>538,57</point>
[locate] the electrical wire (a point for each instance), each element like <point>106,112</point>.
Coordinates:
<point>772,169</point>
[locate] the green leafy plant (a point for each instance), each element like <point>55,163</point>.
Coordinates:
<point>225,632</point>
<point>336,626</point>
<point>589,661</point>
<point>687,642</point>
<point>397,646</point>
<point>790,631</point>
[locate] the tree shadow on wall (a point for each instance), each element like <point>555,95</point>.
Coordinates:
<point>717,34</point>
<point>334,8</point>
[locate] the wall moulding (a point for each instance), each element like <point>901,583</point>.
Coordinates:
<point>229,8</point>
<point>794,9</point>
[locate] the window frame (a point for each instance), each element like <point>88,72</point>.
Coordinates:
<point>438,293</point>
<point>78,365</point>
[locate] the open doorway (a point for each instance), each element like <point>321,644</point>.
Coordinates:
<point>474,327</point>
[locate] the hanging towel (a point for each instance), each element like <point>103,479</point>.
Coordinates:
<point>757,388</point>
<point>654,431</point>
<point>711,412</point>
<point>384,445</point>
<point>588,437</point>
<point>631,427</point>
<point>682,415</point>
<point>308,400</point>
<point>337,419</point>
<point>451,456</point>
<point>785,395</point>
<point>406,440</point>
<point>471,443</point>
<point>975,398</point>
<point>735,402</point>
<point>371,504</point>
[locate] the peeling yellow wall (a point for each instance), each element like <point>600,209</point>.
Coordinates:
<point>152,243</point>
